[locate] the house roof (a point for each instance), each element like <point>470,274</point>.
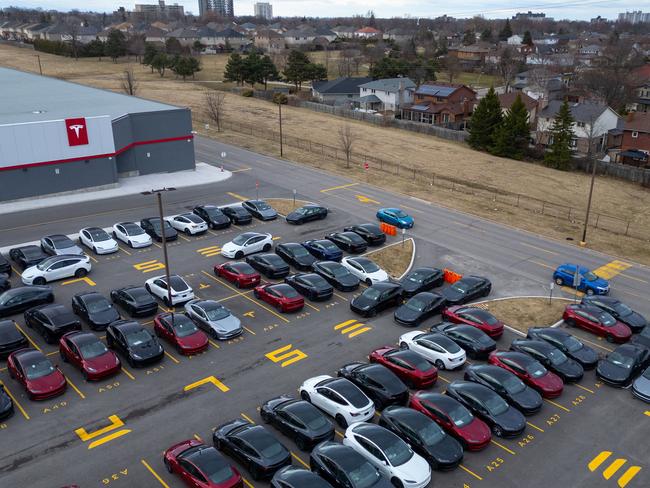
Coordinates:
<point>344,28</point>
<point>581,112</point>
<point>368,30</point>
<point>270,34</point>
<point>507,99</point>
<point>367,99</point>
<point>438,89</point>
<point>436,108</point>
<point>638,122</point>
<point>342,85</point>
<point>389,84</point>
<point>229,32</point>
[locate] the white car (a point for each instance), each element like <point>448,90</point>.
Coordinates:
<point>365,269</point>
<point>393,457</point>
<point>189,222</point>
<point>435,347</point>
<point>57,268</point>
<point>338,397</point>
<point>132,234</point>
<point>247,243</point>
<point>181,291</point>
<point>98,240</point>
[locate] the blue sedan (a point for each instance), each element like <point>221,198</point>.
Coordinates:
<point>396,217</point>
<point>323,249</point>
<point>589,282</point>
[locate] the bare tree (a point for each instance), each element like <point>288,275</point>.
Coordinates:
<point>129,83</point>
<point>72,33</point>
<point>214,105</point>
<point>507,66</point>
<point>347,138</point>
<point>452,66</point>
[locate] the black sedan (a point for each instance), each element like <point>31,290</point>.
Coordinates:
<point>269,264</point>
<point>336,275</point>
<point>20,299</point>
<point>260,209</point>
<point>422,279</point>
<point>311,285</point>
<point>132,340</point>
<point>621,366</point>
<point>477,344</point>
<point>213,216</point>
<point>253,446</point>
<point>299,420</point>
<point>296,255</point>
<point>643,338</point>
<point>371,233</point>
<point>292,477</point>
<point>551,357</point>
<point>619,310</point>
<point>348,241</point>
<point>136,300</point>
<point>323,249</point>
<point>5,266</point>
<point>419,308</point>
<point>306,213</point>
<point>237,214</point>
<point>6,404</point>
<point>51,321</point>
<point>504,420</point>
<point>567,343</point>
<point>151,225</point>
<point>27,256</point>
<point>466,289</point>
<point>376,298</point>
<point>11,339</point>
<point>95,309</point>
<point>381,385</point>
<point>343,467</point>
<point>506,384</point>
<point>424,435</point>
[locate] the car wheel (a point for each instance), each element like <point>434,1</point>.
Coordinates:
<point>11,375</point>
<point>188,232</point>
<point>403,345</point>
<point>218,445</point>
<point>85,375</point>
<point>237,284</point>
<point>440,364</point>
<point>94,249</point>
<point>305,396</point>
<point>156,331</point>
<point>166,302</point>
<point>396,483</point>
<point>266,418</point>
<point>570,322</point>
<point>109,342</point>
<point>256,294</point>
<point>609,338</point>
<point>239,254</point>
<point>147,287</point>
<point>63,357</point>
<point>39,281</point>
<point>368,282</point>
<point>497,430</point>
<point>130,244</point>
<point>266,248</point>
<point>559,281</point>
<point>213,334</point>
<point>130,361</point>
<point>168,466</point>
<point>590,292</point>
<point>114,235</point>
<point>49,338</point>
<point>341,421</point>
<point>80,273</point>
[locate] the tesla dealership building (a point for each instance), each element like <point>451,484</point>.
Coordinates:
<point>57,136</point>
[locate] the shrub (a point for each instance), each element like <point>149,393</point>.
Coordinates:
<point>280,98</point>
<point>247,93</point>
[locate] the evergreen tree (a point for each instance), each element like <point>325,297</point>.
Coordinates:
<point>506,31</point>
<point>512,135</point>
<point>185,66</point>
<point>485,120</point>
<point>160,62</point>
<point>268,71</point>
<point>252,69</point>
<point>486,35</point>
<point>469,37</point>
<point>559,155</point>
<point>173,46</point>
<point>297,68</point>
<point>115,44</point>
<point>95,49</point>
<point>150,52</point>
<point>234,70</point>
<point>528,39</point>
<point>316,71</point>
<point>388,67</point>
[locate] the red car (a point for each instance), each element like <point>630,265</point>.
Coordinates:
<point>454,418</point>
<point>597,321</point>
<point>530,371</point>
<point>240,273</point>
<point>179,330</point>
<point>40,378</point>
<point>408,365</point>
<point>476,317</point>
<point>201,466</point>
<point>85,351</point>
<point>282,296</point>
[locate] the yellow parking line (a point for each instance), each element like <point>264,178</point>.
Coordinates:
<point>352,327</point>
<point>538,248</point>
<point>470,472</point>
<point>609,349</point>
<point>16,271</point>
<point>631,472</point>
<point>340,296</point>
<point>535,427</point>
<point>52,353</point>
<point>74,387</point>
<point>198,437</point>
<point>13,398</point>
<point>338,187</point>
<point>557,405</point>
<point>172,357</point>
<point>584,388</point>
<point>297,458</point>
<point>358,332</point>
<point>214,344</point>
<point>235,195</point>
<point>612,468</point>
<point>94,260</point>
<point>503,447</point>
<point>248,330</point>
<point>155,475</point>
<point>248,418</point>
<point>126,372</point>
<point>28,338</point>
<point>312,307</point>
<point>444,379</point>
<point>247,483</point>
<point>124,250</point>
<point>339,433</point>
<point>183,237</point>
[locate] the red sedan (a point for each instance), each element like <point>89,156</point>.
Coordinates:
<point>85,351</point>
<point>454,418</point>
<point>597,321</point>
<point>179,330</point>
<point>282,296</point>
<point>476,317</point>
<point>201,466</point>
<point>408,365</point>
<point>530,371</point>
<point>240,273</point>
<point>40,378</point>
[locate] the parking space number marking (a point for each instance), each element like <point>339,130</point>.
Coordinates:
<point>113,430</point>
<point>149,266</point>
<point>285,355</point>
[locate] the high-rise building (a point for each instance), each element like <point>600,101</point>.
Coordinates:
<point>159,8</point>
<point>635,17</point>
<point>220,7</point>
<point>264,10</point>
<point>535,17</point>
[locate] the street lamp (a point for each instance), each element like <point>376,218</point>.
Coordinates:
<point>280,114</point>
<point>594,164</point>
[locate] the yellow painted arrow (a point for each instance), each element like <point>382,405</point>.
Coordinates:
<point>209,379</point>
<point>85,279</point>
<point>364,199</point>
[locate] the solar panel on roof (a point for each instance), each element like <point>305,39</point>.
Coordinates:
<point>419,107</point>
<point>436,90</point>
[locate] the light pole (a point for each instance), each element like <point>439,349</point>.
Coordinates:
<point>594,163</point>
<point>40,68</point>
<point>280,114</point>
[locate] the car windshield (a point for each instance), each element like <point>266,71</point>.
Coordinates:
<point>460,287</point>
<point>496,405</point>
<point>301,210</point>
<point>99,235</point>
<point>606,319</point>
<point>369,266</point>
<point>417,276</point>
<point>138,337</point>
<point>513,385</point>
<point>313,419</point>
<point>178,284</point>
<point>98,304</point>
<point>183,327</point>
<point>646,373</point>
<point>44,264</point>
<point>240,239</point>
<point>557,357</point>
<point>217,313</point>
<point>619,360</point>
<point>262,205</point>
<point>213,212</point>
<point>269,447</point>
<point>535,369</point>
<point>400,214</point>
<point>339,271</point>
<point>623,310</point>
<point>39,368</point>
<point>396,451</point>
<point>486,317</point>
<point>589,276</point>
<point>62,243</point>
<point>430,433</point>
<point>133,230</point>
<point>416,304</point>
<point>364,475</point>
<point>460,416</point>
<point>92,349</point>
<point>371,293</point>
<point>572,344</point>
<point>288,292</point>
<point>298,251</point>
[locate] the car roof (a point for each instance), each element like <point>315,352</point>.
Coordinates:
<point>31,250</point>
<point>239,265</point>
<point>248,235</point>
<point>206,454</point>
<point>54,310</point>
<point>559,333</point>
<point>466,329</point>
<point>127,325</point>
<point>445,402</point>
<point>28,355</point>
<point>58,238</point>
<point>539,345</point>
<point>600,298</point>
<point>472,279</point>
<point>518,357</point>
<point>375,433</point>
<point>208,304</point>
<point>253,433</point>
<point>82,337</point>
<point>496,372</point>
<point>290,245</point>
<point>344,456</point>
<point>475,390</point>
<point>385,285</point>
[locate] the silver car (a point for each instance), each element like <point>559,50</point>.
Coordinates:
<point>214,318</point>
<point>260,209</point>
<point>57,244</point>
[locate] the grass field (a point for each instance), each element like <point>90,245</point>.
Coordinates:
<point>394,258</point>
<point>522,313</point>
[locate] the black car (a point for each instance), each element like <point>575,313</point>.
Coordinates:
<point>466,289</point>
<point>619,310</point>
<point>642,338</point>
<point>269,264</point>
<point>376,298</point>
<point>311,285</point>
<point>551,357</point>
<point>348,241</point>
<point>623,364</point>
<point>477,344</point>
<point>260,209</point>
<point>136,343</point>
<point>213,216</point>
<point>306,213</point>
<point>486,404</point>
<point>5,266</point>
<point>6,404</point>
<point>381,385</point>
<point>336,275</point>
<point>418,308</point>
<point>371,233</point>
<point>296,255</point>
<point>323,249</point>
<point>253,446</point>
<point>343,467</point>
<point>20,299</point>
<point>299,420</point>
<point>136,300</point>
<point>5,284</point>
<point>237,214</point>
<point>567,343</point>
<point>27,256</point>
<point>95,309</point>
<point>151,225</point>
<point>11,339</point>
<point>292,477</point>
<point>506,384</point>
<point>424,435</point>
<point>422,279</point>
<point>51,321</point>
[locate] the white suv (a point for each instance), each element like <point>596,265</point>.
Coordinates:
<point>57,268</point>
<point>98,240</point>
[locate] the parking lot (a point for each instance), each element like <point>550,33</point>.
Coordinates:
<point>112,433</point>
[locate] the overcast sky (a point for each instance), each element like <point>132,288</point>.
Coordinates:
<point>559,9</point>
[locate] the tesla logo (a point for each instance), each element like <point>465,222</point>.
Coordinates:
<point>77,132</point>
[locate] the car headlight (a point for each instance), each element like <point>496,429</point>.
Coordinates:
<point>92,370</point>
<point>136,356</point>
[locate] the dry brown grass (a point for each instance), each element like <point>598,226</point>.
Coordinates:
<point>522,313</point>
<point>394,258</point>
<point>285,206</point>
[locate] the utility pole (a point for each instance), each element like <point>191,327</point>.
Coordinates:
<point>280,113</point>
<point>40,68</point>
<point>594,165</point>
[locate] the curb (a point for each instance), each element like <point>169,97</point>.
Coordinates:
<point>394,244</point>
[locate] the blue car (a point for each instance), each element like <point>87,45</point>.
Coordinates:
<point>323,249</point>
<point>396,217</point>
<point>589,282</point>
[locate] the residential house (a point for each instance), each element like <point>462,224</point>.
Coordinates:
<point>325,32</point>
<point>399,35</point>
<point>187,36</point>
<point>340,91</point>
<point>515,40</point>
<point>368,33</point>
<point>635,145</point>
<point>389,94</point>
<point>34,31</point>
<point>507,99</point>
<point>442,104</point>
<point>269,41</point>
<point>155,34</point>
<point>641,76</point>
<point>248,26</point>
<point>344,31</point>
<point>299,37</point>
<point>469,56</point>
<point>227,37</point>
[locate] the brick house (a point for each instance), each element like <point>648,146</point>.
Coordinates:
<point>635,144</point>
<point>443,104</point>
<point>507,99</point>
